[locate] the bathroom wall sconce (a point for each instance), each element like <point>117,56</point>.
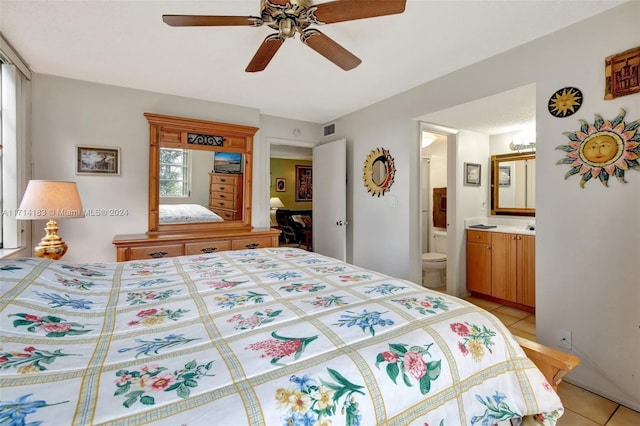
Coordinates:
<point>427,139</point>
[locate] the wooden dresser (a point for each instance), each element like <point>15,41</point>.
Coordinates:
<point>229,193</point>
<point>225,195</point>
<point>143,246</point>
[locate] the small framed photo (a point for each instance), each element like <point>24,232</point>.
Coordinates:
<point>281,185</point>
<point>504,176</point>
<point>472,174</point>
<point>97,160</point>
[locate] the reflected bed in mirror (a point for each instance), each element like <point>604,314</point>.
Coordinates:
<point>513,184</point>
<point>186,213</point>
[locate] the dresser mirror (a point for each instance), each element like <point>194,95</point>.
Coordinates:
<point>513,184</point>
<point>199,175</point>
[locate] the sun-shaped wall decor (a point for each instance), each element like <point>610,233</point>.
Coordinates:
<point>602,149</point>
<point>378,171</point>
<point>565,102</point>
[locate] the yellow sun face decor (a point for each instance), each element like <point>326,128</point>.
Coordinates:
<point>565,102</point>
<point>378,171</point>
<point>603,149</point>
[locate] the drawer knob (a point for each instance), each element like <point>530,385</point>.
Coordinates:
<point>158,254</point>
<point>252,246</point>
<point>209,249</point>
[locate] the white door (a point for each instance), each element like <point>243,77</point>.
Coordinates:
<point>330,199</point>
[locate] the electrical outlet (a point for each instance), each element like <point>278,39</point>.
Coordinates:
<point>564,338</point>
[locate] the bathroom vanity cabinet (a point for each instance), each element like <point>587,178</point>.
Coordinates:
<point>501,265</point>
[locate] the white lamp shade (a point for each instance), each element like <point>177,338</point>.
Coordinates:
<point>276,203</point>
<point>46,199</point>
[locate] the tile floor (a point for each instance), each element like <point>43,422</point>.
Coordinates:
<point>582,408</point>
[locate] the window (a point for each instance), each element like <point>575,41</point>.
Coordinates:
<point>1,165</point>
<point>175,172</point>
<point>15,116</point>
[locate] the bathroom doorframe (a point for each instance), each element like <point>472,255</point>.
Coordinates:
<point>454,286</point>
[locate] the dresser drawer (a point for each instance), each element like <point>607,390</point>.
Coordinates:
<point>478,237</point>
<point>228,180</point>
<point>222,204</point>
<point>156,252</point>
<point>226,197</point>
<point>221,187</point>
<point>224,214</point>
<point>207,247</point>
<point>251,243</point>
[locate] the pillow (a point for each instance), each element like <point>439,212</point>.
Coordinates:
<point>298,219</point>
<point>307,220</point>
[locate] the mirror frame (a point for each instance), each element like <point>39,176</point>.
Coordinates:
<point>378,154</point>
<point>171,132</point>
<point>495,188</point>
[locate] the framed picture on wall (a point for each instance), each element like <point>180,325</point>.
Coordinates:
<point>281,184</point>
<point>472,174</point>
<point>304,187</point>
<point>95,160</point>
<point>504,176</point>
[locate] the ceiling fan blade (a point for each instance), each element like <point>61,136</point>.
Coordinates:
<point>209,21</point>
<point>330,49</point>
<point>349,10</point>
<point>265,53</point>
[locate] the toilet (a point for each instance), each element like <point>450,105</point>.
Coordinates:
<point>434,264</point>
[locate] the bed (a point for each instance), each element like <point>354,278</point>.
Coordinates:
<point>276,336</point>
<point>186,213</point>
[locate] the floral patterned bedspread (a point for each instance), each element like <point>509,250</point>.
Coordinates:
<point>275,336</point>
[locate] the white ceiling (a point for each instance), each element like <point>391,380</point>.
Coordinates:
<point>125,43</point>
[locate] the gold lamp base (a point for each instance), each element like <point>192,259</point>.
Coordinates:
<point>51,245</point>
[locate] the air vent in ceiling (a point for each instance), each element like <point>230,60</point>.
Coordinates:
<point>329,130</point>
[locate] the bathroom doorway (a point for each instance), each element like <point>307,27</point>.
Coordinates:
<point>435,205</point>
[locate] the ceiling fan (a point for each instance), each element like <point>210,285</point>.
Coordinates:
<point>289,17</point>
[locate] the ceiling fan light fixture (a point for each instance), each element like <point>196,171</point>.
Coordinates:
<point>287,28</point>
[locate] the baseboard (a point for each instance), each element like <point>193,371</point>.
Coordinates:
<point>619,399</point>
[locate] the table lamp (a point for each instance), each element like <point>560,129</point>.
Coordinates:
<point>45,199</point>
<point>275,203</point>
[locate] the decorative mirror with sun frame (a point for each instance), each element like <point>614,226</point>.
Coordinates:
<point>602,149</point>
<point>378,172</point>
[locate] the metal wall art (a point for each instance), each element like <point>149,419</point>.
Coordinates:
<point>602,149</point>
<point>622,73</point>
<point>565,102</point>
<point>378,172</point>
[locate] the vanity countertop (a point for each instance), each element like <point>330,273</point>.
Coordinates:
<point>506,229</point>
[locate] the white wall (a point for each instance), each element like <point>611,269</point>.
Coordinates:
<point>67,113</point>
<point>587,239</point>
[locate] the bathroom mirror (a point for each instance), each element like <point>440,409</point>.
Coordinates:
<point>513,184</point>
<point>378,171</point>
<point>215,193</point>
